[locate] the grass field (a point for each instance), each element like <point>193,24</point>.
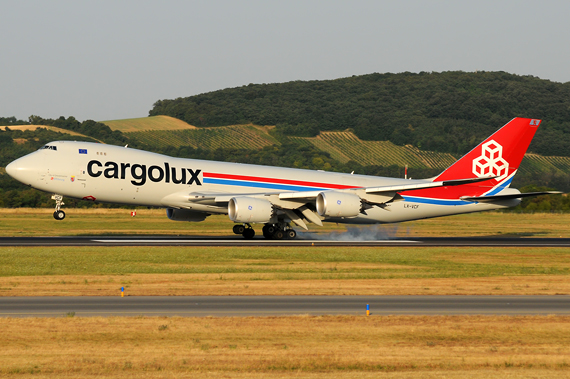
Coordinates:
<point>144,271</point>
<point>30,271</point>
<point>147,123</point>
<point>40,222</point>
<point>282,347</point>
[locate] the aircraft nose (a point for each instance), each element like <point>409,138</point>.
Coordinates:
<point>22,169</point>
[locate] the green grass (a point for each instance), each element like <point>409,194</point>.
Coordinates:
<point>40,222</point>
<point>286,263</point>
<point>91,222</point>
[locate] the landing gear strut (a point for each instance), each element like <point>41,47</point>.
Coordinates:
<point>58,214</point>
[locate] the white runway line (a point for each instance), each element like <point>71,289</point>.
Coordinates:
<point>245,241</point>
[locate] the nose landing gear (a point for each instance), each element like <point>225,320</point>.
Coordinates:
<point>58,214</point>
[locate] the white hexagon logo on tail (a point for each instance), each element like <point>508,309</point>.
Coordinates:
<point>491,162</point>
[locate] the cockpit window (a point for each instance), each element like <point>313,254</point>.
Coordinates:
<point>49,147</point>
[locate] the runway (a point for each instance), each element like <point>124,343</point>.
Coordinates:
<point>239,241</point>
<point>224,306</point>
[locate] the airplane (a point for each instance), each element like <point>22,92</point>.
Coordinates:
<point>277,197</point>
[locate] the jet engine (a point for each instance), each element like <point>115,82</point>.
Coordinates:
<point>249,209</point>
<point>185,215</point>
<point>338,204</point>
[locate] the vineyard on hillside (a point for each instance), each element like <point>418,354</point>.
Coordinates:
<point>537,164</point>
<point>235,136</point>
<point>341,146</point>
<point>345,146</point>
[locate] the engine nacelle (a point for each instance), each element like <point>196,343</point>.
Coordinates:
<point>338,204</point>
<point>185,215</point>
<point>249,209</point>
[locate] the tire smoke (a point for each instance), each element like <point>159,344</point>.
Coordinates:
<point>379,232</point>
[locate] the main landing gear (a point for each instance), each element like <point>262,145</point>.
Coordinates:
<point>58,214</point>
<point>278,231</point>
<point>246,230</point>
<point>270,231</point>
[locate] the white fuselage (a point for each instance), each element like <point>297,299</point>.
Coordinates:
<point>114,174</point>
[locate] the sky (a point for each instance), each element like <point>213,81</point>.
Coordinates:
<point>107,60</point>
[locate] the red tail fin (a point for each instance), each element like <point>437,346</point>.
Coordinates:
<point>499,155</point>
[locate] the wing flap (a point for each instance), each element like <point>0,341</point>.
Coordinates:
<point>489,199</point>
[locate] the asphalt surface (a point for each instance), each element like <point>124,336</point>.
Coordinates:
<point>201,306</point>
<point>240,241</point>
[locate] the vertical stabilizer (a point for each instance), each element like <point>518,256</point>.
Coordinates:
<point>499,156</point>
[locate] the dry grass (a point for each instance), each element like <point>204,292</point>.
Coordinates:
<point>52,128</point>
<point>147,123</point>
<point>271,284</point>
<point>327,346</point>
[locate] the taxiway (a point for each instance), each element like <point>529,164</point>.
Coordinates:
<point>225,306</point>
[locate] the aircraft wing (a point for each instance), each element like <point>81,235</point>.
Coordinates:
<point>292,200</point>
<point>302,205</point>
<point>389,189</point>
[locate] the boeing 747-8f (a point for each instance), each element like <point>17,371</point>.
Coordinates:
<point>277,197</point>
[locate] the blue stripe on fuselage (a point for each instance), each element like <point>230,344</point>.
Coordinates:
<point>500,187</point>
<point>241,183</point>
<point>423,200</point>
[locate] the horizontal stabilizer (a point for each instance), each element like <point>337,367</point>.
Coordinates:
<point>507,196</point>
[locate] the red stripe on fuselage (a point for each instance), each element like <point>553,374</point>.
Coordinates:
<point>277,181</point>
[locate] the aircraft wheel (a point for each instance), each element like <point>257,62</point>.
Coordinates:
<point>59,215</point>
<point>239,229</point>
<point>279,234</point>
<point>266,232</point>
<point>291,233</point>
<point>248,233</point>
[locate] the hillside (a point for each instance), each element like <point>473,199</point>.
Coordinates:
<point>445,112</point>
<point>342,147</point>
<point>234,136</point>
<point>345,147</point>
